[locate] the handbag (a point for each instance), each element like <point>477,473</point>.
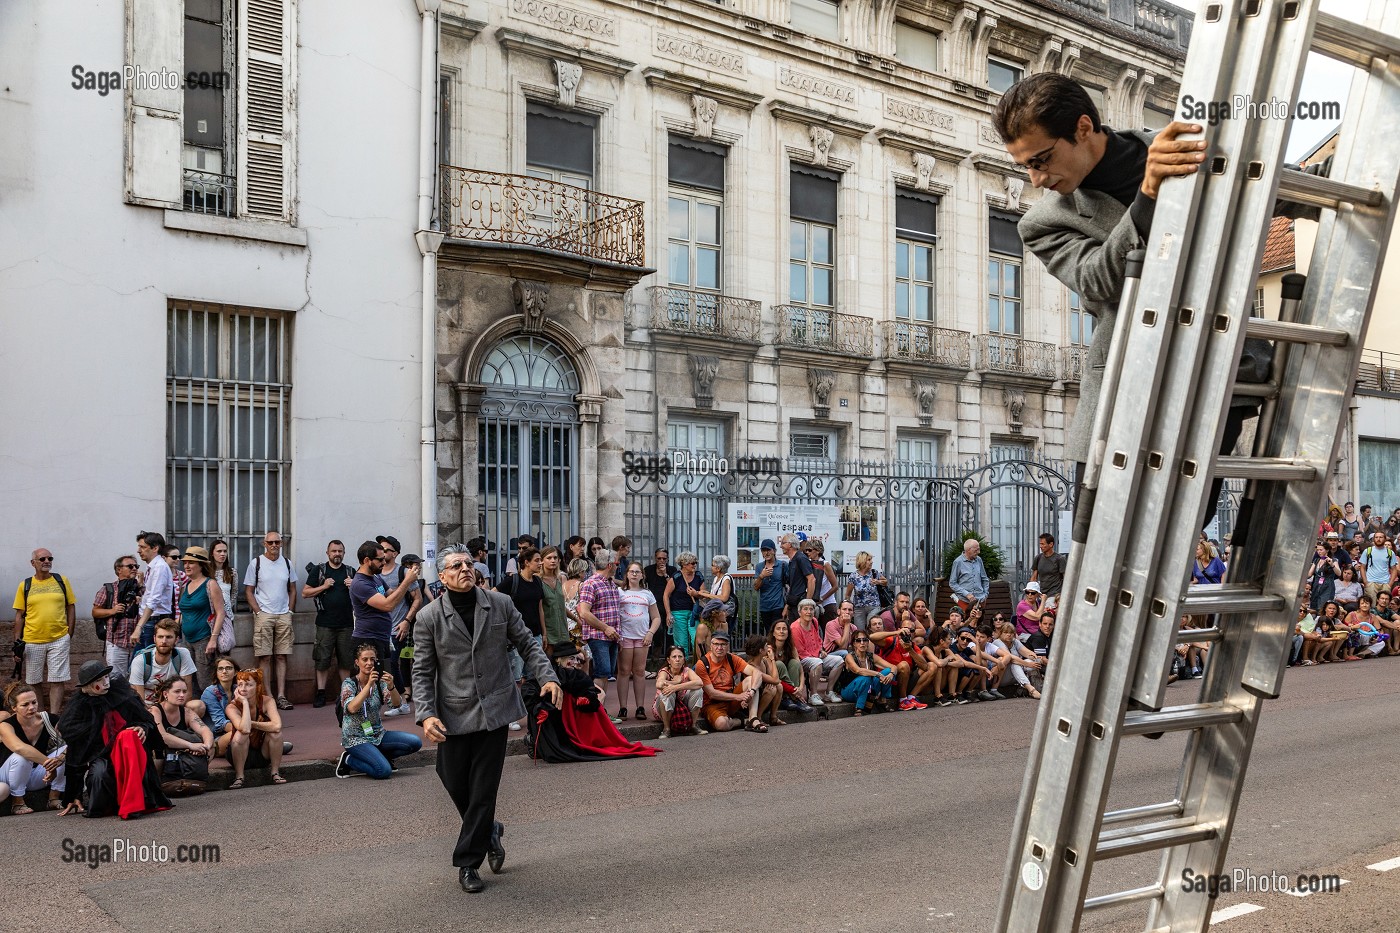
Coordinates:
<point>183,774</point>
<point>227,637</point>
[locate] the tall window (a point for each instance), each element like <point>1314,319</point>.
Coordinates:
<point>812,238</point>
<point>916,47</point>
<point>227,389</point>
<point>559,145</point>
<point>1081,322</point>
<point>1258,309</point>
<point>1004,276</point>
<point>702,438</point>
<point>916,451</point>
<point>1001,75</point>
<point>817,18</point>
<point>208,109</point>
<point>694,213</point>
<point>916,236</point>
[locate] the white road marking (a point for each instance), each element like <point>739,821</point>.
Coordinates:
<point>1233,911</point>
<point>1387,865</point>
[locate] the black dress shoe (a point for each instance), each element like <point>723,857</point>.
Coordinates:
<point>496,852</point>
<point>470,881</point>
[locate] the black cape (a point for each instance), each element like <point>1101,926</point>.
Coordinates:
<point>81,728</point>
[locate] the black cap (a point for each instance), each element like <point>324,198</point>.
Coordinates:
<point>410,559</point>
<point>722,635</point>
<point>92,670</point>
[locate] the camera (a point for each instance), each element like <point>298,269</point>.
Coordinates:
<point>129,595</point>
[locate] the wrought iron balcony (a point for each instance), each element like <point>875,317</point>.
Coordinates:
<point>824,329</point>
<point>705,314</point>
<point>208,193</point>
<point>1073,361</point>
<point>518,210</point>
<point>1005,353</point>
<point>924,343</point>
<point>1378,372</point>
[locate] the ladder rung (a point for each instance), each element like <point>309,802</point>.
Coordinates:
<point>1295,333</point>
<point>1172,808</point>
<point>1265,468</point>
<point>1214,633</point>
<point>1180,718</point>
<point>1255,390</point>
<point>1132,840</point>
<point>1132,896</point>
<point>1314,190</point>
<point>1229,598</point>
<point>1351,42</point>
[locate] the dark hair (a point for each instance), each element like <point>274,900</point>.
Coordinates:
<point>621,541</point>
<point>788,652</point>
<point>334,541</point>
<point>754,646</point>
<point>1047,101</point>
<point>571,540</point>
<point>226,574</point>
<point>16,690</point>
<point>153,539</point>
<point>367,550</point>
<point>1048,538</point>
<point>524,541</point>
<point>117,564</point>
<point>594,543</point>
<point>527,554</point>
<point>986,630</point>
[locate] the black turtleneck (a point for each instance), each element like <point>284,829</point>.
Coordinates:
<point>1119,174</point>
<point>465,604</point>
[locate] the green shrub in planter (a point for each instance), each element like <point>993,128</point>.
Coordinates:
<point>991,555</point>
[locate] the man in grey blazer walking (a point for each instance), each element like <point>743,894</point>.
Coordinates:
<point>465,700</point>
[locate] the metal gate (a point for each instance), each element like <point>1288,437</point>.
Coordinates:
<point>1012,502</point>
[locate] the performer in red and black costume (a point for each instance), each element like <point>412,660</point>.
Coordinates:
<point>578,729</point>
<point>108,724</point>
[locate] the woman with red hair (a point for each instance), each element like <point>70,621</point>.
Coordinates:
<point>257,728</point>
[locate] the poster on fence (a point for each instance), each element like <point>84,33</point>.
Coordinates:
<point>840,528</point>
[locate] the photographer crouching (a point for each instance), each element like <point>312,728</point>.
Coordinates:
<point>369,748</point>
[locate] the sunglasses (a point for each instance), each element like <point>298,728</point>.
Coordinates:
<point>130,566</point>
<point>44,560</point>
<point>273,543</point>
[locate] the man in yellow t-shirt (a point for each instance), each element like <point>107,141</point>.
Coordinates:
<point>44,618</point>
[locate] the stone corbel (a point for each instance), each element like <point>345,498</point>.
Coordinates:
<point>821,138</point>
<point>1139,98</point>
<point>924,165</point>
<point>1069,57</point>
<point>704,110</point>
<point>567,76</point>
<point>1013,187</point>
<point>703,370</point>
<point>1119,96</point>
<point>927,393</point>
<point>1015,400</point>
<point>590,408</point>
<point>821,382</point>
<point>531,299</point>
<point>964,28</point>
<point>981,43</point>
<point>1049,51</point>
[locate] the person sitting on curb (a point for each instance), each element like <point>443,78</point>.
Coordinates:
<point>34,752</point>
<point>189,744</point>
<point>866,673</point>
<point>732,688</point>
<point>896,646</point>
<point>995,663</point>
<point>759,653</point>
<point>370,748</point>
<point>257,728</point>
<point>678,688</point>
<point>939,671</point>
<point>817,663</point>
<point>972,679</point>
<point>1025,664</point>
<point>781,649</point>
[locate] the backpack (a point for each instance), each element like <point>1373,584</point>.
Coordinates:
<point>149,653</point>
<point>257,569</point>
<point>19,636</point>
<point>1367,555</point>
<point>733,671</point>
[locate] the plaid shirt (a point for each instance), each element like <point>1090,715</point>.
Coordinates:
<point>601,594</point>
<point>118,629</point>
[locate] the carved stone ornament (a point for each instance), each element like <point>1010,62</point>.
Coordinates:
<point>923,170</point>
<point>927,393</point>
<point>705,109</point>
<point>821,143</point>
<point>703,370</point>
<point>530,301</point>
<point>567,75</point>
<point>1013,186</point>
<point>1015,407</point>
<point>821,382</point>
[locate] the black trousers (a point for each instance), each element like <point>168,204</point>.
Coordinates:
<point>469,766</point>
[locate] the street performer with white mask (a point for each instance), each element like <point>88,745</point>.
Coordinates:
<point>466,699</point>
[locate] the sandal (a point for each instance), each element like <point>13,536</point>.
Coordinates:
<point>858,713</point>
<point>756,725</point>
<point>775,721</point>
<point>237,784</point>
<point>277,778</point>
<point>284,704</point>
<point>20,808</point>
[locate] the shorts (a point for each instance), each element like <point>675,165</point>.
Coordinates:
<point>604,654</point>
<point>634,642</point>
<point>713,711</point>
<point>332,644</point>
<point>47,663</point>
<point>272,634</point>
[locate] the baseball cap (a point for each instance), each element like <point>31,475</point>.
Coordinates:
<point>767,544</point>
<point>721,636</point>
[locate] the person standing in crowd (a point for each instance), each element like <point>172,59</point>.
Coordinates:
<point>403,637</point>
<point>1207,567</point>
<point>638,620</point>
<point>369,748</point>
<point>226,577</point>
<point>768,581</point>
<point>801,582</point>
<point>1380,570</point>
<point>657,575</point>
<point>178,579</point>
<point>32,753</point>
<point>201,613</point>
<point>826,579</point>
<point>371,602</point>
<point>117,606</point>
<point>1048,571</point>
<point>622,550</point>
<point>521,543</point>
<point>401,616</point>
<point>45,618</point>
<point>595,544</point>
<point>556,619</point>
<point>598,606</point>
<point>1351,522</point>
<point>862,589</point>
<point>329,585</point>
<point>525,590</point>
<point>681,612</point>
<point>575,548</point>
<point>269,585</point>
<point>460,647</point>
<point>968,579</point>
<point>477,548</point>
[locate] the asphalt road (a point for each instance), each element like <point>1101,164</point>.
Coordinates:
<point>895,822</point>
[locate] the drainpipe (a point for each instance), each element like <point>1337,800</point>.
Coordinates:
<point>428,241</point>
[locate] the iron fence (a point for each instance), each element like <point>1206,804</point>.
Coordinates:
<point>1378,372</point>
<point>824,329</point>
<point>924,343</point>
<point>689,311</point>
<point>1005,353</point>
<point>1073,361</point>
<point>208,193</point>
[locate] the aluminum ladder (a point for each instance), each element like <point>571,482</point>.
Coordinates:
<point>1167,387</point>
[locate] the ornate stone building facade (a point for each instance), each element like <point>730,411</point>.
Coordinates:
<point>751,227</point>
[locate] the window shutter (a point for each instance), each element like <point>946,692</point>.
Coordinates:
<point>155,40</point>
<point>266,122</point>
